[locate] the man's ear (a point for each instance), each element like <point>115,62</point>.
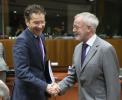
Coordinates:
<point>27,22</point>
<point>90,28</point>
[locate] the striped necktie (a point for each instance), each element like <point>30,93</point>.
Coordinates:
<point>41,46</point>
<point>83,54</point>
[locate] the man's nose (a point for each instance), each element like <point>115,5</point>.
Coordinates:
<point>41,26</point>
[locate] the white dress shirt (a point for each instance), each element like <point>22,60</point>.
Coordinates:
<point>90,43</point>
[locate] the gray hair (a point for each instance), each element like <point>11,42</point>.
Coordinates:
<point>89,19</point>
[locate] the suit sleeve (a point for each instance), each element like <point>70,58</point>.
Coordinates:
<point>111,73</point>
<point>68,81</point>
<point>21,63</point>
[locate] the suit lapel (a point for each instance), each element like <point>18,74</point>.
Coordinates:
<point>78,61</point>
<point>90,54</point>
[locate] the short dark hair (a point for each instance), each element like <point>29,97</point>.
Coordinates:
<point>33,9</point>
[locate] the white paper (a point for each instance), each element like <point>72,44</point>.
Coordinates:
<point>50,72</point>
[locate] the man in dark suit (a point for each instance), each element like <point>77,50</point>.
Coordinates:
<point>29,58</point>
<point>95,63</point>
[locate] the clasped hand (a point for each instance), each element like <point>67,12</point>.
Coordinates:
<point>53,89</point>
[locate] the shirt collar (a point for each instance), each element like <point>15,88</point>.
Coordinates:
<point>91,40</point>
<point>35,35</point>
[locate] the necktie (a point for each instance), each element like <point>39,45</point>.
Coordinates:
<point>83,54</point>
<point>41,47</point>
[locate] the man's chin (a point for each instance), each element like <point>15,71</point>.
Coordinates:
<point>38,33</point>
<point>77,38</point>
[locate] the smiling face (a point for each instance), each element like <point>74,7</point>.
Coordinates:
<point>36,24</point>
<point>81,31</point>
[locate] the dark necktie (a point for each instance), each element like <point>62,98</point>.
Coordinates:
<point>41,47</point>
<point>83,54</point>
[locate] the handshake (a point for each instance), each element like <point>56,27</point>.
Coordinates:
<point>53,89</point>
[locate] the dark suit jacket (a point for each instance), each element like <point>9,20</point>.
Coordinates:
<point>30,81</point>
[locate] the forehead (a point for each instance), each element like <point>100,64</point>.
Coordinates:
<point>77,20</point>
<point>37,16</point>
